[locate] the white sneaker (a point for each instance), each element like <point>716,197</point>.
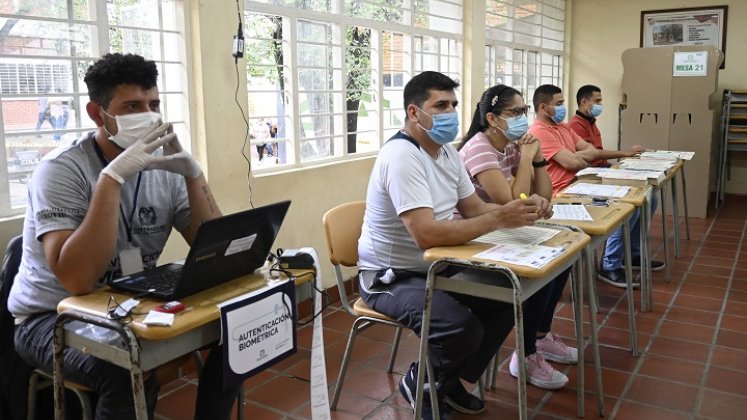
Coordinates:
<point>554,349</point>
<point>539,373</point>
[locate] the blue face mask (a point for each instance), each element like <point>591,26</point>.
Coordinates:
<point>596,110</point>
<point>559,114</point>
<point>445,127</point>
<point>517,127</point>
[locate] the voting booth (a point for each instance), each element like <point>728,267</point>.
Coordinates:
<point>667,92</point>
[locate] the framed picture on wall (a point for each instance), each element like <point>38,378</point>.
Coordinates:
<point>689,26</point>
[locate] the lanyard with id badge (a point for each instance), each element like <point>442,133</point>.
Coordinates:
<point>131,258</point>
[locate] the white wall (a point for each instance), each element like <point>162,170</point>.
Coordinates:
<point>602,29</point>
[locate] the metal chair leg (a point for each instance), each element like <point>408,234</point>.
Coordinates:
<point>345,362</point>
<point>395,345</point>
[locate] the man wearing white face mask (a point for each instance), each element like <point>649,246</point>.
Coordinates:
<point>565,152</point>
<point>104,206</point>
<point>584,123</point>
<point>416,183</point>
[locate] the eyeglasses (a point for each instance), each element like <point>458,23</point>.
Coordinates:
<point>518,111</point>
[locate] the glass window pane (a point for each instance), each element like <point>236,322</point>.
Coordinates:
<point>145,43</point>
<point>137,13</point>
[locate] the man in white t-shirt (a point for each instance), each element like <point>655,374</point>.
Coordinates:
<point>416,183</point>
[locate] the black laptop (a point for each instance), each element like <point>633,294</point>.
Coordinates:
<point>224,249</point>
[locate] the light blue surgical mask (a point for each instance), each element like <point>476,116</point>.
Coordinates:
<point>559,114</point>
<point>596,110</point>
<point>445,127</point>
<point>517,127</point>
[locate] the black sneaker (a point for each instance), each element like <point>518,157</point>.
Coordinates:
<point>408,386</point>
<point>655,264</point>
<point>615,277</point>
<point>462,401</point>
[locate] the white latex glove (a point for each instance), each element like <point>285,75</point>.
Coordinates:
<point>138,156</point>
<point>175,159</point>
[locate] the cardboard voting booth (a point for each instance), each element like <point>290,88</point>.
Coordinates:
<point>667,93</point>
<point>257,330</point>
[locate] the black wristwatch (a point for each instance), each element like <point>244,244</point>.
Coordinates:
<point>540,164</point>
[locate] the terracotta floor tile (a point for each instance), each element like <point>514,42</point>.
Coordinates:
<point>255,411</point>
<point>633,410</point>
<point>690,332</point>
<point>613,381</point>
<point>711,270</point>
<point>692,316</point>
<point>178,405</point>
<point>724,239</point>
<point>565,405</point>
<point>729,358</point>
<point>702,291</point>
<point>726,380</point>
<point>720,405</point>
<point>387,412</point>
<point>733,339</point>
<point>494,409</point>
<point>736,308</point>
<point>614,358</point>
<point>695,302</point>
<point>737,296</point>
<point>373,383</point>
<point>740,274</point>
<point>678,397</point>
<point>339,320</point>
<point>282,393</point>
<point>675,370</point>
<point>733,322</point>
<point>620,320</point>
<point>693,352</point>
<point>707,280</point>
<point>737,284</point>
<point>350,407</point>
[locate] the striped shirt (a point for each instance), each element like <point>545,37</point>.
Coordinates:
<point>479,156</point>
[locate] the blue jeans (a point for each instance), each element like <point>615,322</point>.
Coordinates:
<point>615,249</point>
<point>111,383</point>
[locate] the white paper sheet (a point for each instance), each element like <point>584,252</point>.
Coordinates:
<point>667,154</point>
<point>598,190</point>
<point>525,235</point>
<point>535,256</point>
<point>571,212</point>
<point>647,164</point>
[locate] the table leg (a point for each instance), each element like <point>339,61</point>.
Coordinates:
<point>577,291</point>
<point>593,308</point>
<point>645,257</point>
<point>676,218</point>
<point>631,296</point>
<point>521,354</point>
<point>647,216</point>
<point>422,360</point>
<point>684,200</point>
<point>665,230</point>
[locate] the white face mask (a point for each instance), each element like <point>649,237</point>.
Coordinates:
<point>132,127</point>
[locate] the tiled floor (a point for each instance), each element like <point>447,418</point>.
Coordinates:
<point>693,363</point>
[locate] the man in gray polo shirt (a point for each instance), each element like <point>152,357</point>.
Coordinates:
<point>417,182</point>
<point>102,207</point>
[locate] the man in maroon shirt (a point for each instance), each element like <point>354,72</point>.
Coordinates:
<point>584,123</point>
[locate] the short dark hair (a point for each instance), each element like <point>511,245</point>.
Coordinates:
<point>494,99</point>
<point>586,92</point>
<point>417,90</point>
<point>543,95</point>
<point>112,70</point>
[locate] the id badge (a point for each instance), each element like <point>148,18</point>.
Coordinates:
<point>131,260</point>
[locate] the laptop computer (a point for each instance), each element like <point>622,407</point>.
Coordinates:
<point>224,249</point>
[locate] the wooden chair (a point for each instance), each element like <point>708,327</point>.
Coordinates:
<point>342,228</point>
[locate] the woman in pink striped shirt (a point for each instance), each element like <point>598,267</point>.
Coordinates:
<point>504,161</point>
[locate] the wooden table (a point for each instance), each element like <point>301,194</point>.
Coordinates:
<point>638,196</point>
<point>607,219</point>
<point>532,280</point>
<point>147,347</point>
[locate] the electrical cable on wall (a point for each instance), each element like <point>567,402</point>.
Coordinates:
<point>237,50</point>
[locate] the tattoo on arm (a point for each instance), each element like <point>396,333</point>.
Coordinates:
<point>206,191</point>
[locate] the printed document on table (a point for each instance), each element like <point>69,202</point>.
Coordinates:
<point>667,154</point>
<point>598,190</point>
<point>647,164</point>
<point>525,235</point>
<point>535,256</point>
<point>571,212</point>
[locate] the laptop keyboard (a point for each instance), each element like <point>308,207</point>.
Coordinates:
<point>164,282</point>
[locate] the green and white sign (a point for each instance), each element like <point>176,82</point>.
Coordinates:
<point>690,63</point>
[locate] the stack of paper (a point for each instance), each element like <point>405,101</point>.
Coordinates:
<point>535,256</point>
<point>622,176</point>
<point>597,190</point>
<point>525,235</point>
<point>667,154</point>
<point>571,212</point>
<point>647,164</point>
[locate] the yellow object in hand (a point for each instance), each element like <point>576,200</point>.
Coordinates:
<point>523,196</point>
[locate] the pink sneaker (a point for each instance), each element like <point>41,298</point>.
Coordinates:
<point>554,349</point>
<point>539,373</point>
